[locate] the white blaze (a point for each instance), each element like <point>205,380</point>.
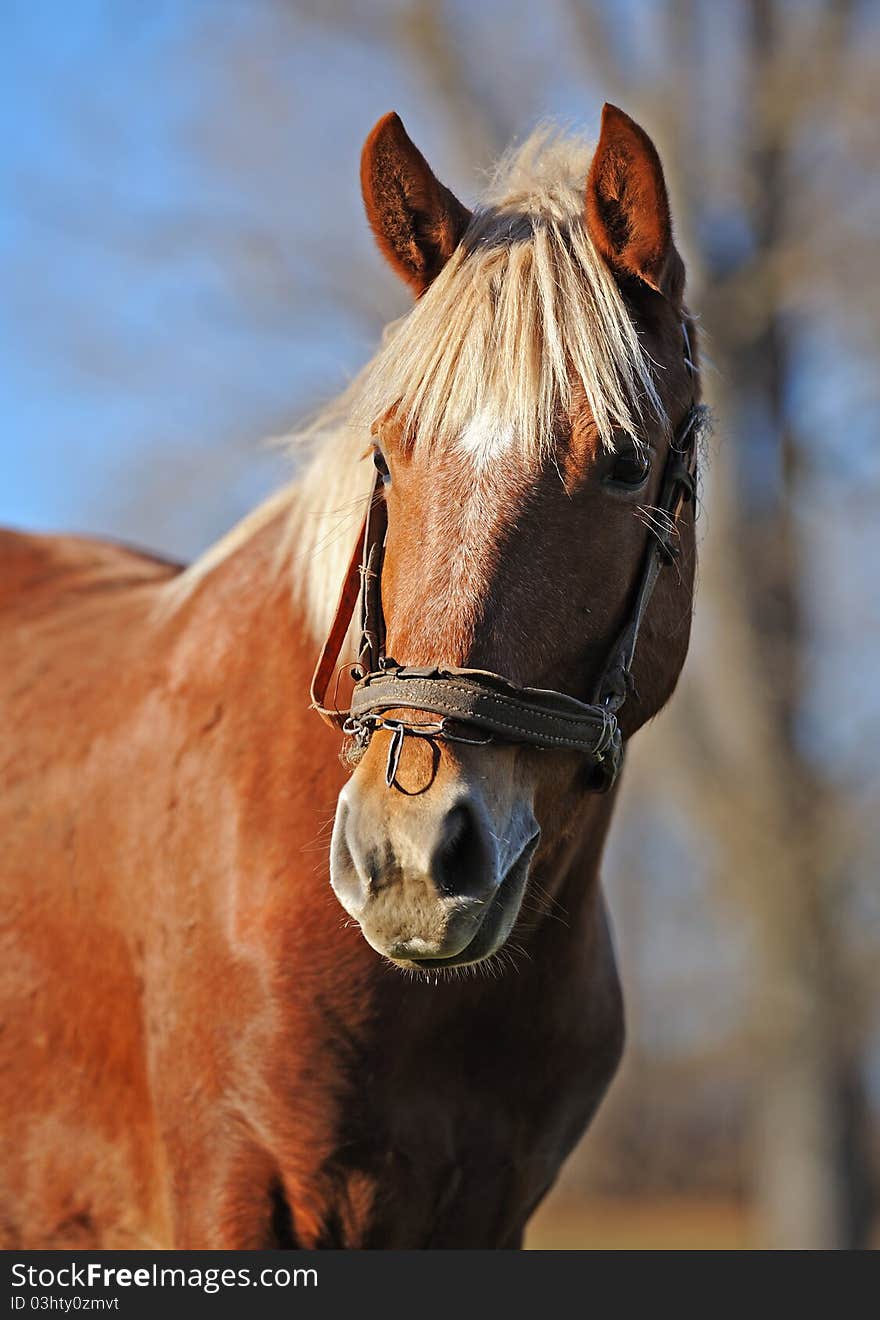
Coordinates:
<point>485,438</point>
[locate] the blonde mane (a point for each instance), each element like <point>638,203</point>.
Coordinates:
<point>523,310</point>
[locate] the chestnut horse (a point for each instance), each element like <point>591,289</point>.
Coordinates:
<point>200,1047</point>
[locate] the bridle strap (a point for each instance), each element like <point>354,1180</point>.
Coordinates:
<point>372,648</point>
<point>487,701</point>
<point>361,583</point>
<point>679,485</point>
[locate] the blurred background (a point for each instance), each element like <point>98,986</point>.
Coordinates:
<point>186,269</point>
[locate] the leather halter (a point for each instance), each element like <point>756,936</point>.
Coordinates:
<point>475,705</point>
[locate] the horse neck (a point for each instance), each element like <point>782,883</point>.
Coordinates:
<point>240,653</point>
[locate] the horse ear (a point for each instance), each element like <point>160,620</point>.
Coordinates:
<point>418,222</point>
<point>627,207</point>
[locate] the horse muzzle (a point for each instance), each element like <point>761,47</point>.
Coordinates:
<point>431,884</point>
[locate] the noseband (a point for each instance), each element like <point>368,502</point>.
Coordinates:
<point>477,706</point>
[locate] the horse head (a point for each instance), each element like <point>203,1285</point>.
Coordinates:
<point>524,418</point>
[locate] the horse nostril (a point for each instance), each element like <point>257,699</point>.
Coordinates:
<point>462,864</point>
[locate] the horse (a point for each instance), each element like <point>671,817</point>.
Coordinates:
<point>269,984</point>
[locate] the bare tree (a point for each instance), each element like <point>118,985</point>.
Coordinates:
<point>788,832</point>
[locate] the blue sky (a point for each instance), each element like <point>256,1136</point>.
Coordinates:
<point>166,254</point>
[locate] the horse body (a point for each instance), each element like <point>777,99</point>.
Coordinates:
<point>197,1051</point>
<point>198,1047</point>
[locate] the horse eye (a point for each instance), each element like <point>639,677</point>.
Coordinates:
<point>629,469</point>
<point>380,465</point>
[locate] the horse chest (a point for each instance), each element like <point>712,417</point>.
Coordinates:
<point>446,1155</point>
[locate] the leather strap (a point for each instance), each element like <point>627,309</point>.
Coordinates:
<point>361,583</point>
<point>679,484</point>
<point>487,701</point>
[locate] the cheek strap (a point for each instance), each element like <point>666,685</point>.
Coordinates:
<point>362,583</point>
